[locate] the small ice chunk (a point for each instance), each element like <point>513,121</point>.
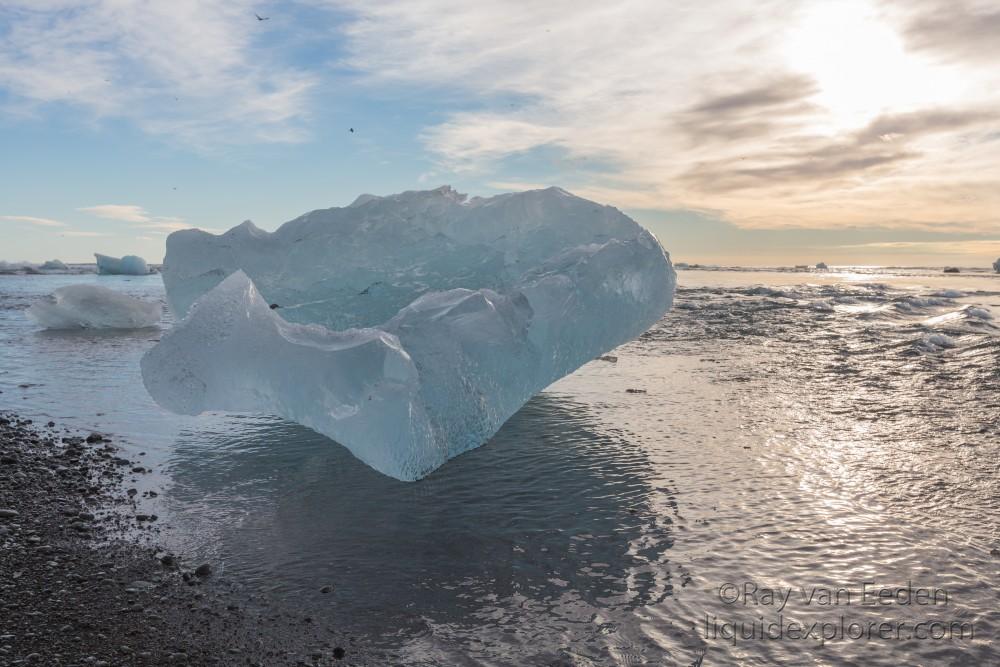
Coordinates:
<point>93,307</point>
<point>934,342</point>
<point>996,265</point>
<point>913,304</point>
<point>129,265</point>
<point>763,290</point>
<point>54,265</point>
<point>949,294</point>
<point>979,313</point>
<point>823,306</point>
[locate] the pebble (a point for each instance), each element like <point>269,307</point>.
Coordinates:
<point>203,570</point>
<point>8,514</point>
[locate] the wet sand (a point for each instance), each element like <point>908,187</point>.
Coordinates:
<point>82,581</point>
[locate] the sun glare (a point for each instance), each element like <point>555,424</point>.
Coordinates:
<point>860,65</point>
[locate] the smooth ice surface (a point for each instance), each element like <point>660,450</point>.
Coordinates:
<point>129,265</point>
<point>410,327</point>
<point>93,307</point>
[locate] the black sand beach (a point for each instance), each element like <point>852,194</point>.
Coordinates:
<point>82,582</point>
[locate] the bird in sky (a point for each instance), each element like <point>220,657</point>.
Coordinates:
<point>352,130</point>
<point>261,18</point>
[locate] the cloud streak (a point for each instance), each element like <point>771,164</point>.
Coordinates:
<point>32,220</point>
<point>123,212</point>
<point>192,71</point>
<point>137,215</point>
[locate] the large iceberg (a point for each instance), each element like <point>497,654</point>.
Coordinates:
<point>129,265</point>
<point>93,307</point>
<point>410,327</point>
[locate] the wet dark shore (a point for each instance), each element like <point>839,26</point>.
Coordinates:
<point>83,583</point>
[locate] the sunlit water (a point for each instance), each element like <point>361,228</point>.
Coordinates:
<point>797,430</point>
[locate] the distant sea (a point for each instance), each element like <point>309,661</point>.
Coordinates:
<point>780,448</point>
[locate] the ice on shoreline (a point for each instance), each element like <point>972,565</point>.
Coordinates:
<point>93,307</point>
<point>408,328</point>
<point>935,342</point>
<point>52,266</point>
<point>129,265</point>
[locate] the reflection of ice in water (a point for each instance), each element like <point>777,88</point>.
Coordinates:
<point>545,527</point>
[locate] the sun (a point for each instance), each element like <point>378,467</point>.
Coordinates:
<point>861,66</point>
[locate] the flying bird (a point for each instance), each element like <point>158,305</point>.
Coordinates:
<point>352,130</point>
<point>261,18</point>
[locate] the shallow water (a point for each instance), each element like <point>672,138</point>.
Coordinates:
<point>797,430</point>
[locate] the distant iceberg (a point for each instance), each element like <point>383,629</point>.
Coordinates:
<point>996,265</point>
<point>408,328</point>
<point>54,265</point>
<point>93,307</point>
<point>129,265</point>
<point>822,266</point>
<point>14,267</point>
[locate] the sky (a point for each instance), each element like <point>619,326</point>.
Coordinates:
<point>763,133</point>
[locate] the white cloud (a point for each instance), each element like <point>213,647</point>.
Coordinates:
<point>681,104</point>
<point>189,69</point>
<point>137,215</point>
<point>167,224</point>
<point>40,222</point>
<point>83,234</point>
<point>973,247</point>
<point>123,212</point>
<point>516,186</point>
